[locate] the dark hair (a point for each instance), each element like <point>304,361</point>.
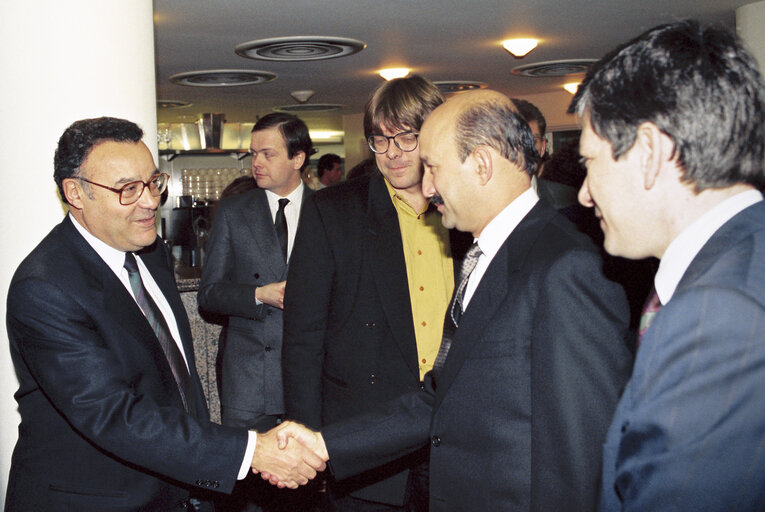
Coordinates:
<point>294,131</point>
<point>326,162</point>
<point>529,112</point>
<point>81,137</point>
<point>401,103</point>
<point>698,85</point>
<point>495,124</point>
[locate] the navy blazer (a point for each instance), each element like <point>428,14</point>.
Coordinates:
<point>516,418</point>
<point>102,423</point>
<point>689,432</point>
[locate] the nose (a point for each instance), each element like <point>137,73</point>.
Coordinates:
<point>393,150</point>
<point>255,164</point>
<point>428,189</point>
<point>584,194</point>
<point>148,201</point>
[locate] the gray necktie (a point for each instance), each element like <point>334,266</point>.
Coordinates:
<point>455,309</point>
<point>159,326</point>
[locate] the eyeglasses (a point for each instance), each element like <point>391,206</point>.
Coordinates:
<point>405,141</point>
<point>131,192</point>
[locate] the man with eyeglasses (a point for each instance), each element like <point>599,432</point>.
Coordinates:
<point>368,285</point>
<point>113,416</point>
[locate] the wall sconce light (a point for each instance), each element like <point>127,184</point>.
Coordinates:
<point>572,87</point>
<point>520,47</point>
<point>391,73</point>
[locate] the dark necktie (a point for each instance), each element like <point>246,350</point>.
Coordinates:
<point>158,325</point>
<point>455,309</point>
<point>651,307</point>
<point>280,224</point>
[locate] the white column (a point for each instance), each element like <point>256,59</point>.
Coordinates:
<point>61,61</point>
<point>750,20</point>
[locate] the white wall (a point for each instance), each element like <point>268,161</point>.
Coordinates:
<point>61,61</point>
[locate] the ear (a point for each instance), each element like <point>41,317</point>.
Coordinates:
<point>656,150</point>
<point>483,163</point>
<point>73,192</point>
<point>298,159</point>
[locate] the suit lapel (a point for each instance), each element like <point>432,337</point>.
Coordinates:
<point>386,254</point>
<point>502,275</point>
<point>257,217</point>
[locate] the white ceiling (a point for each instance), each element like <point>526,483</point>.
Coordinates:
<point>441,39</point>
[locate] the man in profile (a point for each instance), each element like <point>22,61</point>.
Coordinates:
<point>369,283</point>
<point>113,417</point>
<point>244,277</point>
<point>674,171</point>
<point>532,360</point>
<point>329,169</point>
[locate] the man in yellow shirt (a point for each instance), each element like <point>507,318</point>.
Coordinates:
<point>370,278</point>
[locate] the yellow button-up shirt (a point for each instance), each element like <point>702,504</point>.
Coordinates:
<point>430,274</point>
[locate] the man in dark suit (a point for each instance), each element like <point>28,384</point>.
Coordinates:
<point>245,271</point>
<point>113,417</point>
<point>369,283</point>
<point>516,408</point>
<point>674,165</point>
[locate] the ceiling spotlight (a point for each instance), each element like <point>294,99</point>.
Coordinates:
<point>391,73</point>
<point>302,96</point>
<point>572,87</point>
<point>520,47</point>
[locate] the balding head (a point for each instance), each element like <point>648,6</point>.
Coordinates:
<point>478,154</point>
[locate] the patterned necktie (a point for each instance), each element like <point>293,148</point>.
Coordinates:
<point>280,224</point>
<point>453,313</point>
<point>158,325</point>
<point>651,307</point>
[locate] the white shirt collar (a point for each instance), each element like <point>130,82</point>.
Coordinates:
<point>295,197</point>
<point>114,258</point>
<point>681,251</point>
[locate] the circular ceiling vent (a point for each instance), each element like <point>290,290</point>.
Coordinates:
<point>222,77</point>
<point>287,49</point>
<point>555,68</point>
<point>308,107</point>
<point>172,104</point>
<point>450,86</point>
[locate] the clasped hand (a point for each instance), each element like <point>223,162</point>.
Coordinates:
<point>289,464</point>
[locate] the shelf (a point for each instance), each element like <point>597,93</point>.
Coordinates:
<point>170,154</point>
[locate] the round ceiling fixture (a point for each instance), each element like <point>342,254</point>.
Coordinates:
<point>288,49</point>
<point>554,68</point>
<point>172,104</point>
<point>308,107</point>
<point>451,86</point>
<point>222,77</point>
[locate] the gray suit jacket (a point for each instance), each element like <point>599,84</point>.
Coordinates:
<point>689,431</point>
<point>242,254</point>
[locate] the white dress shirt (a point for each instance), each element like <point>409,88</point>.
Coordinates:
<point>291,212</point>
<point>494,235</point>
<point>689,242</point>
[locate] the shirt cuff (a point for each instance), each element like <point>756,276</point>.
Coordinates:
<point>252,441</point>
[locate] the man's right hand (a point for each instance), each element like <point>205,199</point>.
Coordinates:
<point>285,466</point>
<point>271,294</point>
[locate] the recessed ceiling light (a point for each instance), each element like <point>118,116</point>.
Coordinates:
<point>554,68</point>
<point>572,87</point>
<point>299,48</point>
<point>391,73</point>
<point>308,107</point>
<point>172,104</point>
<point>326,135</point>
<point>452,86</point>
<point>222,77</point>
<point>520,47</point>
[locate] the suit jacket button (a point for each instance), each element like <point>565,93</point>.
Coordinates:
<point>216,484</point>
<point>256,275</point>
<point>370,325</point>
<point>268,348</point>
<point>372,378</point>
<point>436,441</point>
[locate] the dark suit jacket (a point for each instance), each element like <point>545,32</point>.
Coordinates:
<point>349,341</point>
<point>102,423</point>
<point>517,416</point>
<point>242,254</point>
<point>689,431</point>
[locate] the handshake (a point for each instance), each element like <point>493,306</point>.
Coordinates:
<point>289,464</point>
